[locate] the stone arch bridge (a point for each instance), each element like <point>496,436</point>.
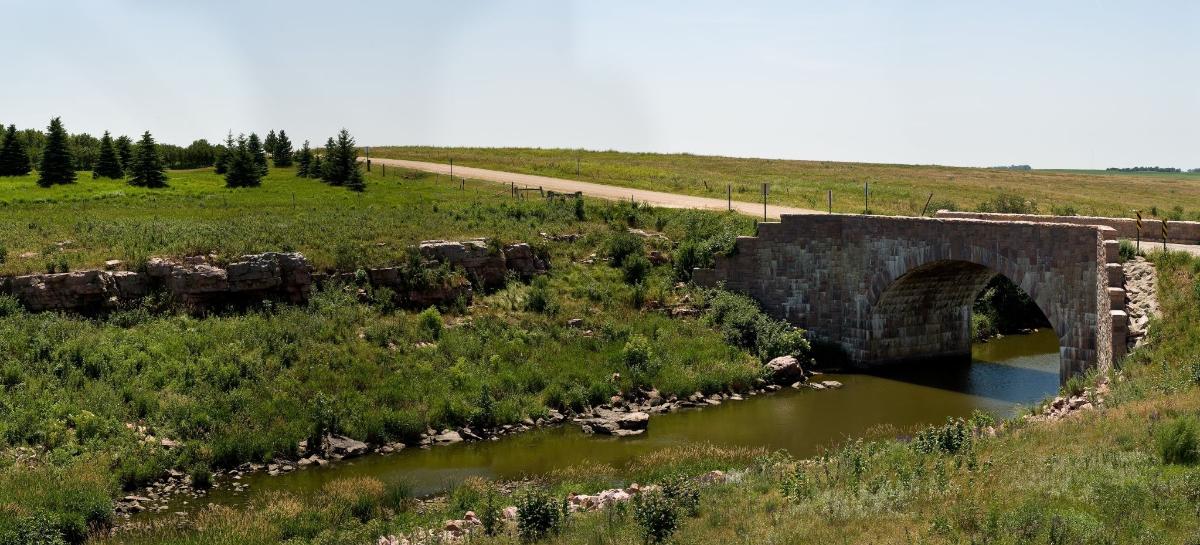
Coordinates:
<point>895,289</point>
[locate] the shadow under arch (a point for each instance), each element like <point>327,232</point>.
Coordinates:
<point>924,312</point>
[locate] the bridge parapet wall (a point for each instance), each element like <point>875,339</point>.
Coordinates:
<point>891,289</point>
<point>1181,232</point>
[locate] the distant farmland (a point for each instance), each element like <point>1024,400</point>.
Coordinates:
<point>894,189</point>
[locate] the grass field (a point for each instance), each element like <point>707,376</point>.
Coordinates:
<point>895,189</point>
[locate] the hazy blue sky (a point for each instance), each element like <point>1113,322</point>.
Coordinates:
<point>1052,84</point>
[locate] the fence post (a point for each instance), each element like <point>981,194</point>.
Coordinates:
<point>830,201</point>
<point>866,198</point>
<point>384,168</point>
<point>729,196</point>
<point>451,169</point>
<point>764,201</point>
<point>927,204</point>
<point>368,165</point>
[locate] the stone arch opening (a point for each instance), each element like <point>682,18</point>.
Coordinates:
<point>925,312</point>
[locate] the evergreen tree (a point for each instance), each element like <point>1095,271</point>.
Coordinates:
<point>125,150</point>
<point>241,170</point>
<point>341,163</point>
<point>254,145</point>
<point>317,169</point>
<point>283,150</point>
<point>56,167</point>
<point>270,143</point>
<point>147,168</point>
<point>304,162</point>
<point>108,165</point>
<point>221,165</point>
<point>13,159</point>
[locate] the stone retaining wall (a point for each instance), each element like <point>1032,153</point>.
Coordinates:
<point>1180,232</point>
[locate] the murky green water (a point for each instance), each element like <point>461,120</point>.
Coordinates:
<point>1005,372</point>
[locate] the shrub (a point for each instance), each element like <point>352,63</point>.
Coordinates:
<point>538,515</point>
<point>1075,385</point>
<point>539,299</point>
<point>744,325</point>
<point>491,515</point>
<point>430,321</point>
<point>635,269</point>
<point>622,244</point>
<point>580,211</point>
<point>951,438</point>
<point>1126,251</point>
<point>983,327</point>
<point>684,493</point>
<point>636,354</point>
<point>201,477</point>
<point>657,516</point>
<point>1008,203</point>
<point>1177,441</point>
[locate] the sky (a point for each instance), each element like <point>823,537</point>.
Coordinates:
<point>1061,84</point>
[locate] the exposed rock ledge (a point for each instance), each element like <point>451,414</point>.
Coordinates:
<point>199,282</point>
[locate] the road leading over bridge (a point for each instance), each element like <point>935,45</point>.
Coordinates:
<point>895,289</point>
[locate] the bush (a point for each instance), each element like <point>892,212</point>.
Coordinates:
<point>983,327</point>
<point>201,477</point>
<point>430,321</point>
<point>744,325</point>
<point>491,515</point>
<point>1126,251</point>
<point>1075,385</point>
<point>538,515</point>
<point>684,493</point>
<point>539,299</point>
<point>1177,441</point>
<point>1008,203</point>
<point>635,269</point>
<point>657,516</point>
<point>622,244</point>
<point>950,438</point>
<point>636,354</point>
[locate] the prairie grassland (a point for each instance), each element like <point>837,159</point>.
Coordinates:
<point>894,189</point>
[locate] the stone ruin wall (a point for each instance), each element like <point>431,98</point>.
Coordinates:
<point>198,283</point>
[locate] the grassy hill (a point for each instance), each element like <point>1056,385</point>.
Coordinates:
<point>895,189</point>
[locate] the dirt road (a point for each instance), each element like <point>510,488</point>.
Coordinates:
<point>611,192</point>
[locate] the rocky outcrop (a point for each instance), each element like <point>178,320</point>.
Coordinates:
<point>449,291</point>
<point>487,268</point>
<point>193,281</point>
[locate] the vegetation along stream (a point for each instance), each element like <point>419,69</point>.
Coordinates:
<point>1005,373</point>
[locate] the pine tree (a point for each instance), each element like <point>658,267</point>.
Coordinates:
<point>147,169</point>
<point>108,165</point>
<point>221,165</point>
<point>317,169</point>
<point>254,145</point>
<point>341,163</point>
<point>241,170</point>
<point>13,159</point>
<point>56,167</point>
<point>125,150</point>
<point>270,143</point>
<point>325,172</point>
<point>304,162</point>
<point>283,150</point>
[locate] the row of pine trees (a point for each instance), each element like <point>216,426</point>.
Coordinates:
<point>140,162</point>
<point>242,161</point>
